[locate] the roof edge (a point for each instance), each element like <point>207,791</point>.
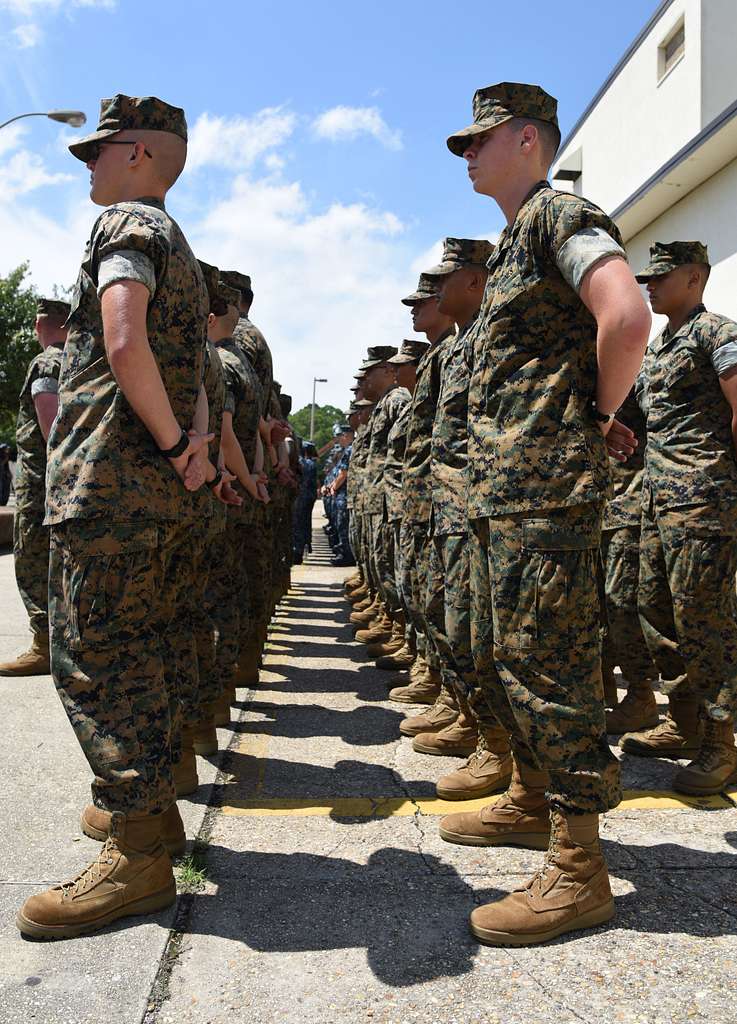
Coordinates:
<point>728,114</point>
<point>634,45</point>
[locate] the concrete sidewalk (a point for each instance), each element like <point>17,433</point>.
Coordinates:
<point>324,892</point>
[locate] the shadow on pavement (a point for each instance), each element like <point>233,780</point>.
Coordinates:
<point>361,726</point>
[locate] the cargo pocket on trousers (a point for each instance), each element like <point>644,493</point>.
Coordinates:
<point>556,605</point>
<point>109,594</point>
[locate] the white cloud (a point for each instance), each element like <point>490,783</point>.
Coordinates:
<point>24,172</point>
<point>27,36</point>
<point>343,124</point>
<point>237,143</point>
<point>23,8</point>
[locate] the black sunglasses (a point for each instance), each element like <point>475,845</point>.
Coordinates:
<point>96,146</point>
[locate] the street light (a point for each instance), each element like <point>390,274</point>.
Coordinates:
<point>315,382</point>
<point>76,118</point>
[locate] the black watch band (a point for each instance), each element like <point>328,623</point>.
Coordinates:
<point>602,417</point>
<point>215,480</point>
<point>178,449</point>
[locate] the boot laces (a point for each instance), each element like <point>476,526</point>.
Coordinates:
<point>551,857</point>
<point>708,756</point>
<point>92,873</point>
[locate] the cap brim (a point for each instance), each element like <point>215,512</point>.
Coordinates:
<point>415,297</point>
<point>399,360</point>
<point>650,272</point>
<point>458,143</point>
<point>441,269</point>
<point>81,148</point>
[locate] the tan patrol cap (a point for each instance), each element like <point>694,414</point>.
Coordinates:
<point>53,307</point>
<point>131,113</point>
<point>495,104</point>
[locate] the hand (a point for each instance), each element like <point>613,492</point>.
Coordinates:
<point>225,493</point>
<point>280,431</point>
<point>195,452</point>
<point>620,440</point>
<point>263,494</point>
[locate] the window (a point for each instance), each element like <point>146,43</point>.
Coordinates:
<point>672,49</point>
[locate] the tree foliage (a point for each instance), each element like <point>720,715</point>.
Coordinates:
<point>325,417</point>
<point>18,344</point>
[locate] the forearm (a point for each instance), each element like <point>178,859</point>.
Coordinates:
<point>201,412</point>
<point>234,458</point>
<point>258,462</point>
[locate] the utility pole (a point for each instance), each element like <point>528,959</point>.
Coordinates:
<point>315,382</point>
<point>75,118</point>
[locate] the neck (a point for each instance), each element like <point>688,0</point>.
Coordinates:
<point>678,317</point>
<point>434,334</point>
<point>133,190</point>
<point>48,342</point>
<point>464,317</point>
<point>513,192</point>
<point>217,337</point>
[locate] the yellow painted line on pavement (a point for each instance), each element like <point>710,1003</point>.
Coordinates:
<point>402,807</point>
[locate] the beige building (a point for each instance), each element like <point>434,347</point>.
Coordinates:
<point>657,146</point>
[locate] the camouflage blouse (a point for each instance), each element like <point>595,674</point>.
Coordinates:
<point>30,472</point>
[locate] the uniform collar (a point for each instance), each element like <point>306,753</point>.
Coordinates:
<point>509,230</point>
<point>667,338</point>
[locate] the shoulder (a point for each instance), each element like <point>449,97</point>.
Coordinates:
<point>560,215</point>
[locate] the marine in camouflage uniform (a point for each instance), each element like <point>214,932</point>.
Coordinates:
<point>624,643</point>
<point>688,392</point>
<point>355,495</point>
<point>119,515</point>
<point>417,496</point>
<point>30,536</point>
<point>538,475</point>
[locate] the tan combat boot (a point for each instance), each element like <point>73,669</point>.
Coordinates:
<point>608,679</point>
<point>715,766</point>
<point>33,662</point>
<point>417,670</point>
<point>424,690</point>
<point>353,582</point>
<point>520,817</point>
<point>488,769</point>
<point>678,735</point>
<point>132,875</point>
<point>378,630</point>
<point>96,824</point>
<point>404,658</point>
<point>247,672</point>
<point>570,891</point>
<point>205,737</point>
<point>458,739</point>
<point>444,711</point>
<point>185,770</point>
<point>393,644</point>
<point>358,596</point>
<point>363,616</point>
<point>636,711</point>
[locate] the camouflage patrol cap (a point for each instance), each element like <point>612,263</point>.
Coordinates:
<point>285,401</point>
<point>211,277</point>
<point>234,279</point>
<point>231,295</point>
<point>344,428</point>
<point>53,307</point>
<point>353,409</point>
<point>411,351</point>
<point>378,354</point>
<point>496,104</point>
<point>276,386</point>
<point>131,113</point>
<point>666,256</point>
<point>461,252</point>
<point>427,288</point>
<point>363,403</point>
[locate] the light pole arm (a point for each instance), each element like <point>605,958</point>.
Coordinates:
<point>19,116</point>
<point>75,118</point>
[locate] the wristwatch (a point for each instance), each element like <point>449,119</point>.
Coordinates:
<point>178,449</point>
<point>602,417</point>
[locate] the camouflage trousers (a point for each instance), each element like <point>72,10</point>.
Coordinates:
<point>365,547</point>
<point>382,562</point>
<point>624,643</point>
<point>181,666</point>
<point>448,617</point>
<point>416,544</point>
<point>353,540</point>
<point>227,596</point>
<point>536,618</point>
<point>257,545</point>
<point>687,603</point>
<point>210,685</point>
<point>31,555</point>
<point>113,610</point>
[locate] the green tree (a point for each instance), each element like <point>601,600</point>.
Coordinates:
<point>325,417</point>
<point>18,344</point>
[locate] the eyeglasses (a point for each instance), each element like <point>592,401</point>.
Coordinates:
<point>95,147</point>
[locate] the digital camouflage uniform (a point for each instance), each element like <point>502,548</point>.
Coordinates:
<point>624,642</point>
<point>359,454</point>
<point>393,467</point>
<point>119,514</point>
<point>417,495</point>
<point>30,536</point>
<point>689,517</point>
<point>381,534</point>
<point>539,475</point>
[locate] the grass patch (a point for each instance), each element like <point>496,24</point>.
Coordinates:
<point>191,871</point>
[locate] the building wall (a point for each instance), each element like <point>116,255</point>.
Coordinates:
<point>719,66</point>
<point>707,214</point>
<point>639,123</point>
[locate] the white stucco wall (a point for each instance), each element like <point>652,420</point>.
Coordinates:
<point>639,123</point>
<point>719,63</point>
<point>708,214</point>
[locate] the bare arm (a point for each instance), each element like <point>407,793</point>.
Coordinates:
<point>235,460</point>
<point>728,384</point>
<point>339,481</point>
<point>612,295</point>
<point>124,307</point>
<point>47,406</point>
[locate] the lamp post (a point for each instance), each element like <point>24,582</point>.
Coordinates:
<point>76,118</point>
<point>315,382</point>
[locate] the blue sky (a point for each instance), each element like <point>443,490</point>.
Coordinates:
<point>317,154</point>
